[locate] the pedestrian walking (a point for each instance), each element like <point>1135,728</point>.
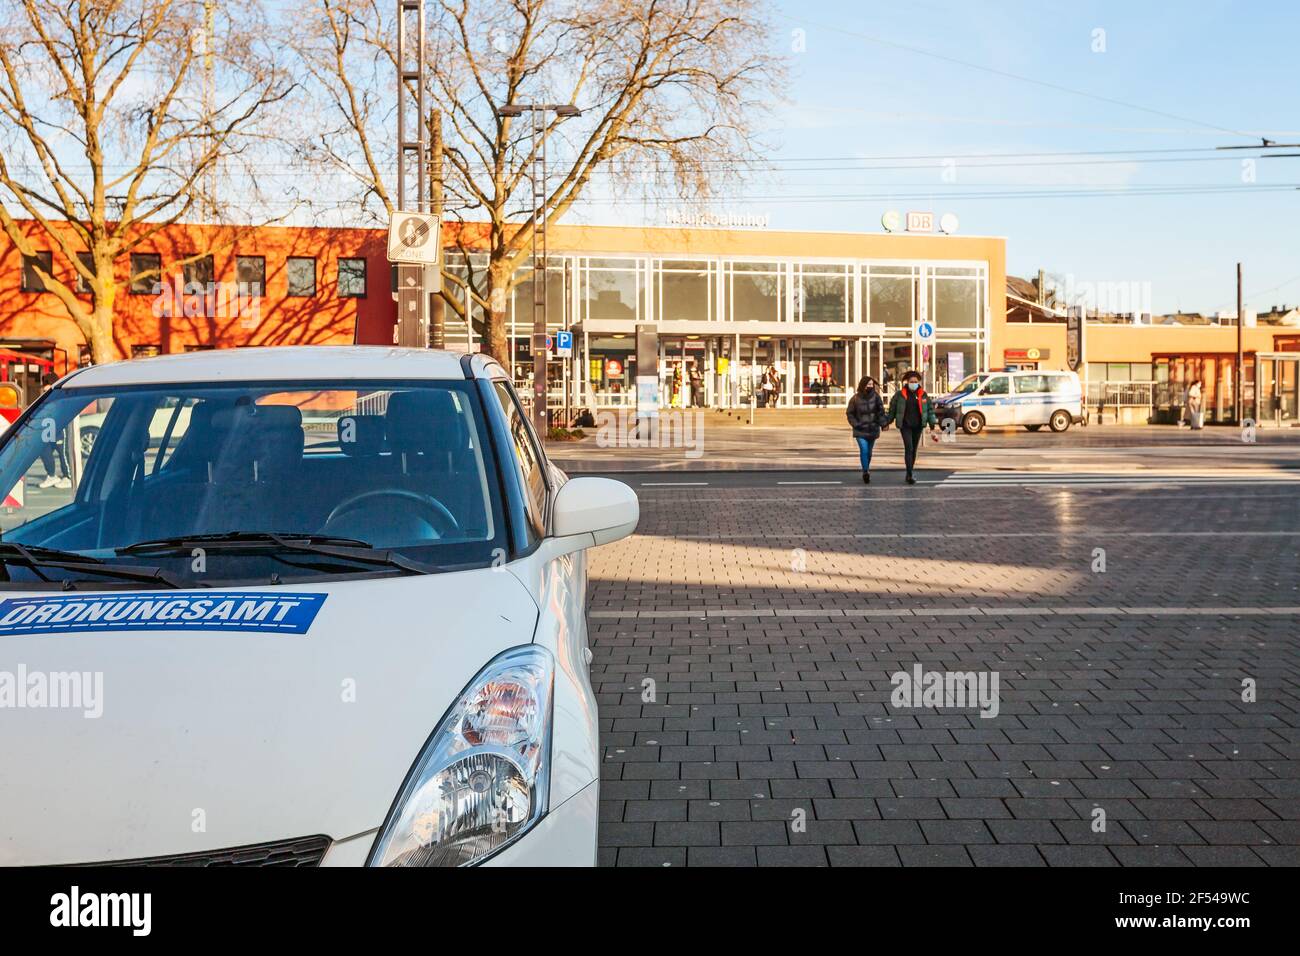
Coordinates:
<point>867,416</point>
<point>1195,413</point>
<point>697,387</point>
<point>773,382</point>
<point>912,411</point>
<point>53,453</point>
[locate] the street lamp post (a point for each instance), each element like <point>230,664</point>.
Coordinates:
<point>538,113</point>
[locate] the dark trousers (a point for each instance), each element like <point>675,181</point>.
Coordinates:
<point>911,444</point>
<point>48,450</point>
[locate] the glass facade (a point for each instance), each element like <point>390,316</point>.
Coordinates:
<point>684,292</point>
<point>757,292</point>
<point>820,325</point>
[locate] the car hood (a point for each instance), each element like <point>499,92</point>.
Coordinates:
<point>227,724</point>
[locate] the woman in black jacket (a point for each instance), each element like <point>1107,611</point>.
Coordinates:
<point>866,413</point>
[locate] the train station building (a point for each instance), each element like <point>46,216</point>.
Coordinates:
<point>722,307</point>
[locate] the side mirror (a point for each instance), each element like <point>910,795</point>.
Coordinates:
<point>601,507</point>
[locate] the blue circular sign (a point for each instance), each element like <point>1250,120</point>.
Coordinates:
<point>924,331</point>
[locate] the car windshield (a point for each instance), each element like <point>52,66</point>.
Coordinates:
<point>213,484</point>
<point>968,384</point>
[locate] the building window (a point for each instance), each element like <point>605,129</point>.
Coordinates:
<point>146,272</point>
<point>825,294</point>
<point>890,299</point>
<point>88,261</point>
<point>556,304</point>
<point>352,278</point>
<point>684,292</point>
<point>144,351</point>
<point>611,289</point>
<point>955,303</point>
<point>31,281</point>
<point>250,273</point>
<point>198,275</point>
<point>953,361</point>
<point>757,291</point>
<point>1120,371</point>
<point>301,272</point>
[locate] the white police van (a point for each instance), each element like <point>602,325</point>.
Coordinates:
<point>254,641</point>
<point>1030,398</point>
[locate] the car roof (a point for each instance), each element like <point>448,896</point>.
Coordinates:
<point>277,363</point>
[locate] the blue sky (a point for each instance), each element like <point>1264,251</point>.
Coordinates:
<point>1205,74</point>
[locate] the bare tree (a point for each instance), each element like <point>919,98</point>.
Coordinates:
<point>671,92</point>
<point>116,114</point>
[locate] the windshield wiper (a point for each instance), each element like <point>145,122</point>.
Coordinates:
<point>239,537</point>
<point>36,557</point>
<point>348,549</point>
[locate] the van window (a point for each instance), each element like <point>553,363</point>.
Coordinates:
<point>997,385</point>
<point>1031,384</point>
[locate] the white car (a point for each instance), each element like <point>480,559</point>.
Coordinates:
<point>1000,398</point>
<point>244,647</point>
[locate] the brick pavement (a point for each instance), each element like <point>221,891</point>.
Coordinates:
<point>771,738</point>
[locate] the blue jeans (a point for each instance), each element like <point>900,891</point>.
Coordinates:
<point>864,451</point>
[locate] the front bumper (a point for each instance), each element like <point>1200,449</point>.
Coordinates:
<point>566,836</point>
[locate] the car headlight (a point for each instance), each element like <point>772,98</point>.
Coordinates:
<point>482,780</point>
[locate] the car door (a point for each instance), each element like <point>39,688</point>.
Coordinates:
<point>1030,397</point>
<point>995,401</point>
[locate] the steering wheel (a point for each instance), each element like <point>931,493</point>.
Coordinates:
<point>442,519</point>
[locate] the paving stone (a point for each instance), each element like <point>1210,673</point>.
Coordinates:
<point>887,832</point>
<point>1008,855</point>
<point>956,831</point>
<point>934,856</point>
<point>662,857</point>
<point>774,685</point>
<point>863,856</point>
<point>755,833</point>
<point>686,834</point>
<point>1154,856</point>
<point>721,856</point>
<point>792,856</point>
<point>654,810</point>
<point>1077,856</point>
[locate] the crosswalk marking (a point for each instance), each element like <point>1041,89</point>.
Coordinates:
<point>991,479</point>
<point>640,613</point>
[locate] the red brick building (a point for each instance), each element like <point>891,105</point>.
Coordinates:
<point>221,287</point>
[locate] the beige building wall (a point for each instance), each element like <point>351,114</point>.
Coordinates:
<point>1126,343</point>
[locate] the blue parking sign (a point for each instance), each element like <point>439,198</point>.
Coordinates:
<point>563,343</point>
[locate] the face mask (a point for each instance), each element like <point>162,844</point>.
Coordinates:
<point>913,385</point>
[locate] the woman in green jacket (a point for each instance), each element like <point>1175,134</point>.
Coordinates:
<point>911,410</point>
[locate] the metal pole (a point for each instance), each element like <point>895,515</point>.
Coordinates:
<point>412,299</point>
<point>539,278</point>
<point>1241,368</point>
<point>437,307</point>
<point>401,104</point>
